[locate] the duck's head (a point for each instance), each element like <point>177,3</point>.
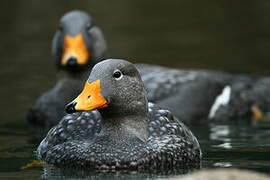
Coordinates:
<point>78,43</point>
<point>115,87</point>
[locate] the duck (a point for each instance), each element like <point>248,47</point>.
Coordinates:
<point>112,126</point>
<point>192,95</point>
<point>77,45</point>
<point>189,94</point>
<point>246,97</point>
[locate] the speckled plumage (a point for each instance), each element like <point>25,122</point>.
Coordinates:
<point>74,143</point>
<point>129,133</point>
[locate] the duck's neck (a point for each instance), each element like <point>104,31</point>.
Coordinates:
<point>119,128</point>
<point>76,76</point>
<point>70,84</point>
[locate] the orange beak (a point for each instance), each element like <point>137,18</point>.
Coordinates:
<point>90,98</point>
<point>75,47</point>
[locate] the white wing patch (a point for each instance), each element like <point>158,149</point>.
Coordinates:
<point>222,99</point>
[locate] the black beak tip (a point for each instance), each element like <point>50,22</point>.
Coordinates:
<point>70,107</point>
<point>72,62</point>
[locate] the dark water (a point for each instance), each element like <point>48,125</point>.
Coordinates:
<point>224,35</point>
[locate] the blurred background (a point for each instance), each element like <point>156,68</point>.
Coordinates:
<point>223,35</point>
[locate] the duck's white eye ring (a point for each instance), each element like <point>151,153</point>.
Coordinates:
<point>117,74</point>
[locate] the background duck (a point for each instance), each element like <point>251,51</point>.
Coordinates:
<point>244,98</point>
<point>77,46</point>
<point>189,94</point>
<point>132,133</point>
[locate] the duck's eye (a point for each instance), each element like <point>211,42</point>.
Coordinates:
<point>117,74</point>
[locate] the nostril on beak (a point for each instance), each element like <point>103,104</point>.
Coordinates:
<point>72,61</point>
<point>70,107</point>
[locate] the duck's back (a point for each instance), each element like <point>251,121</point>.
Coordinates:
<point>188,94</point>
<point>245,94</point>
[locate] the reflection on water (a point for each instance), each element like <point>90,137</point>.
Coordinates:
<point>53,173</point>
<point>224,35</point>
<point>219,132</point>
<point>237,145</point>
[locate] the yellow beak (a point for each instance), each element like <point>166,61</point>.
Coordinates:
<point>90,98</point>
<point>75,47</point>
